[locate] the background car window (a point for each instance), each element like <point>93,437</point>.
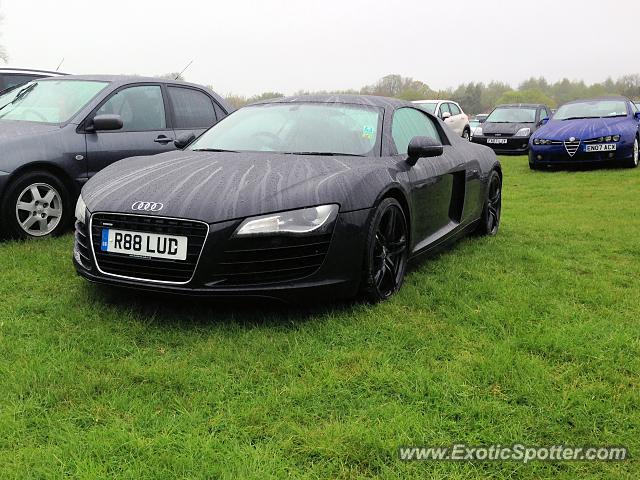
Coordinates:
<point>428,107</point>
<point>141,108</point>
<point>634,108</point>
<point>444,108</point>
<point>454,109</point>
<point>409,123</point>
<point>48,101</point>
<point>192,108</point>
<point>11,80</point>
<point>544,113</point>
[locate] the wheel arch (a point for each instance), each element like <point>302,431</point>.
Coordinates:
<point>51,168</point>
<point>396,192</point>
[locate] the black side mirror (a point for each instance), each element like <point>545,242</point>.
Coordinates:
<point>637,115</point>
<point>482,120</point>
<point>423,147</point>
<point>105,122</point>
<point>543,121</point>
<point>183,140</point>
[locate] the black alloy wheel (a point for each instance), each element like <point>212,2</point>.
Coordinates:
<point>490,221</point>
<point>387,251</point>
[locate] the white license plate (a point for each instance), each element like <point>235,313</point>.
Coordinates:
<point>600,147</point>
<point>144,244</point>
<point>496,140</point>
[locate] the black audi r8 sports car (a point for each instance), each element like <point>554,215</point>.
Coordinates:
<point>322,196</point>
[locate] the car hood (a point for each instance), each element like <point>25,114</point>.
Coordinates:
<point>505,128</point>
<point>583,128</point>
<point>11,129</point>
<point>215,187</point>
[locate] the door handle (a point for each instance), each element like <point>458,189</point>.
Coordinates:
<point>163,139</point>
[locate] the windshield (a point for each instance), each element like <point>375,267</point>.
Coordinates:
<point>512,115</point>
<point>51,101</point>
<point>428,107</point>
<point>592,109</point>
<point>304,128</point>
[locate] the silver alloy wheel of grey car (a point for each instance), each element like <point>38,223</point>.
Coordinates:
<point>39,209</point>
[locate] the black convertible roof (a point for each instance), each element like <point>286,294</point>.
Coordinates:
<point>596,99</point>
<point>367,100</point>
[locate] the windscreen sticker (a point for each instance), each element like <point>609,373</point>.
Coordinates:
<point>368,132</point>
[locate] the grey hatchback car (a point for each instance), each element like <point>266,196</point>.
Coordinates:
<point>56,133</point>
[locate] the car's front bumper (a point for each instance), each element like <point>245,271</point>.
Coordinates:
<point>513,145</point>
<point>557,155</point>
<point>337,276</point>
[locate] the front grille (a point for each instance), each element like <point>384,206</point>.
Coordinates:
<point>572,147</point>
<point>82,251</point>
<point>499,135</point>
<point>156,269</point>
<point>259,260</point>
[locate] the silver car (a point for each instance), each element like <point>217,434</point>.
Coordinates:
<point>450,112</point>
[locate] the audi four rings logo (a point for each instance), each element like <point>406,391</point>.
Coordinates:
<point>147,206</point>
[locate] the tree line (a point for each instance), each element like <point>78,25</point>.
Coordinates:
<point>478,97</point>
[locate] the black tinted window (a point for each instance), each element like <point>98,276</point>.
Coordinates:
<point>12,80</point>
<point>192,108</point>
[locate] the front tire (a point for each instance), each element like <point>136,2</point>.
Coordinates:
<point>633,162</point>
<point>387,252</point>
<point>466,134</point>
<point>492,209</point>
<point>36,205</point>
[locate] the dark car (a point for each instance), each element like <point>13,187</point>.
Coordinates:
<point>14,77</point>
<point>326,195</point>
<point>508,128</point>
<point>598,130</point>
<point>56,133</point>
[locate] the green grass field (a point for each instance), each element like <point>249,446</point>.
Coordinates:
<point>530,337</point>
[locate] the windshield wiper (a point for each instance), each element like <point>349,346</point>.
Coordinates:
<point>21,94</point>
<point>577,118</point>
<point>325,154</point>
<point>213,150</point>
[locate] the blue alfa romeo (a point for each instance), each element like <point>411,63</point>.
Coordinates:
<point>599,130</point>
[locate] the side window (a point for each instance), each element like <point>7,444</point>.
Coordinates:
<point>544,113</point>
<point>409,123</point>
<point>192,108</point>
<point>444,108</point>
<point>141,108</point>
<point>454,109</point>
<point>634,108</point>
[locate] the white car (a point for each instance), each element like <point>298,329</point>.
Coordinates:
<point>450,112</point>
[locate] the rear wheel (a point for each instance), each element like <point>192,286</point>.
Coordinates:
<point>387,251</point>
<point>633,162</point>
<point>490,221</point>
<point>36,205</point>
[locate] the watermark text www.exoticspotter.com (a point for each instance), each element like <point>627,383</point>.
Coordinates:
<point>460,452</point>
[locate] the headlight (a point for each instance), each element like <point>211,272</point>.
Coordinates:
<point>616,138</point>
<point>294,222</point>
<point>81,210</point>
<point>478,131</point>
<point>523,132</point>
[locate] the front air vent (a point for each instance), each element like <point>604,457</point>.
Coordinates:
<point>154,269</point>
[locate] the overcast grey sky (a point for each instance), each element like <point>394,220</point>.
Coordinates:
<point>248,46</point>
